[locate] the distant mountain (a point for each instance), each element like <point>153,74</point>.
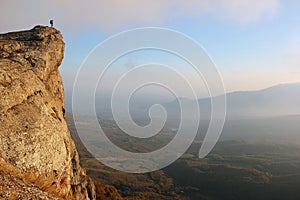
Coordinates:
<point>278,100</point>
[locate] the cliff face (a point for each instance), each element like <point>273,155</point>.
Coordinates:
<point>37,155</point>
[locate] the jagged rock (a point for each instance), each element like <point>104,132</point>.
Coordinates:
<point>34,137</point>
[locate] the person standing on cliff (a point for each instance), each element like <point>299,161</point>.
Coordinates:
<point>52,22</point>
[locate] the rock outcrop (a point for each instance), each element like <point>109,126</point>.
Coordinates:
<point>38,158</point>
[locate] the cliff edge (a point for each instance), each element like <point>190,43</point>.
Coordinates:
<point>38,158</point>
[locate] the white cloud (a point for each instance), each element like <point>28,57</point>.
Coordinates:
<point>116,14</point>
<point>246,11</point>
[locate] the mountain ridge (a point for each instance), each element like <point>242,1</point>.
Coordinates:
<point>277,100</point>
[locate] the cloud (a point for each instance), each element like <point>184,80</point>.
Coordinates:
<point>246,11</point>
<point>117,14</point>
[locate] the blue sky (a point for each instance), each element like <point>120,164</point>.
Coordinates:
<point>254,43</point>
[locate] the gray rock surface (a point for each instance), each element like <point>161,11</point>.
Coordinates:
<point>34,137</point>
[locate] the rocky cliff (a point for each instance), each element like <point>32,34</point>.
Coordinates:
<point>38,159</point>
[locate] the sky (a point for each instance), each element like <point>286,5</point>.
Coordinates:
<point>254,43</point>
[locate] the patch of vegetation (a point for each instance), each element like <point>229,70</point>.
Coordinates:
<point>235,169</point>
